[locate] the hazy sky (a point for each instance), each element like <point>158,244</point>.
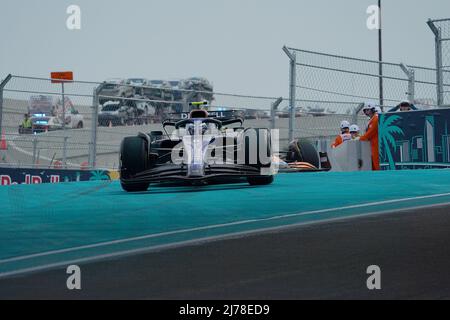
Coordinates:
<point>234,43</point>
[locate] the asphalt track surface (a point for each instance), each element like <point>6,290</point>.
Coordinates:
<point>307,236</point>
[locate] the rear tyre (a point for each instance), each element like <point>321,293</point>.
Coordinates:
<point>304,151</point>
<point>133,160</point>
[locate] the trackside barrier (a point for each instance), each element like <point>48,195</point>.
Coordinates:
<point>351,156</point>
<point>13,176</point>
<point>415,140</point>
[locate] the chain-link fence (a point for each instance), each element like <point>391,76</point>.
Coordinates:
<point>45,139</point>
<point>441,31</point>
<point>326,89</point>
<point>98,116</point>
<point>81,124</point>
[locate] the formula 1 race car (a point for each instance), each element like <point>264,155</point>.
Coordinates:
<point>199,150</point>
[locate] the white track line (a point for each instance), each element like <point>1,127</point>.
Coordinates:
<point>163,234</point>
<point>235,235</point>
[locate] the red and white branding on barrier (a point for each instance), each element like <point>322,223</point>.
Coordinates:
<point>6,180</point>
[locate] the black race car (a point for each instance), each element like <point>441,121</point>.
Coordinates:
<point>199,150</point>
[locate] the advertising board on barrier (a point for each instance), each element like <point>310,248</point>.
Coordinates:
<point>13,176</point>
<point>415,140</point>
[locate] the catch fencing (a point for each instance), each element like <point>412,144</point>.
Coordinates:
<point>88,139</point>
<point>326,89</point>
<point>441,31</point>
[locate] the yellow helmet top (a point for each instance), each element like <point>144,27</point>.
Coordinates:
<point>199,104</point>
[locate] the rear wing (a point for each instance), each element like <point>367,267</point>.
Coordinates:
<point>219,115</point>
<point>221,121</point>
<point>225,118</point>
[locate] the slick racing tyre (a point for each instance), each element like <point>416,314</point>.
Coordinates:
<point>303,151</point>
<point>133,160</point>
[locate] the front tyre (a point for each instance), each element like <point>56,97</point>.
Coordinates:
<point>133,160</point>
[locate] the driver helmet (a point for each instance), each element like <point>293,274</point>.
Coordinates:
<point>198,114</point>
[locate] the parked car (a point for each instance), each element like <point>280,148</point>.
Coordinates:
<point>177,94</point>
<point>197,89</point>
<point>161,94</point>
<point>114,113</point>
<point>115,88</point>
<point>144,111</point>
<point>159,90</point>
<point>46,114</point>
<point>137,84</point>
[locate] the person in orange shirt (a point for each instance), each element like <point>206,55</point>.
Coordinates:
<point>344,136</point>
<point>372,133</point>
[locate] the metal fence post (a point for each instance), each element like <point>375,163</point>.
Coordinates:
<point>292,91</point>
<point>94,127</point>
<point>273,112</point>
<point>412,86</point>
<point>410,74</point>
<point>35,142</point>
<point>439,70</point>
<point>356,112</point>
<point>63,104</point>
<point>2,86</point>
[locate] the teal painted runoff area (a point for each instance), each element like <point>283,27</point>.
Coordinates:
<point>44,225</point>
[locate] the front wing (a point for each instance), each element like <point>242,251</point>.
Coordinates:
<point>172,172</point>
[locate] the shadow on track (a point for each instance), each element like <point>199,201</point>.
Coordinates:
<point>176,188</point>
